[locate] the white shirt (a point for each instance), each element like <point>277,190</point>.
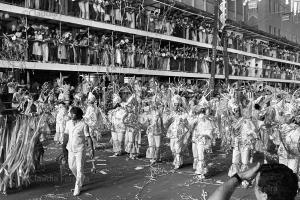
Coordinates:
<point>77,133</point>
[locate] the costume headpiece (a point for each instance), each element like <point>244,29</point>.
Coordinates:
<point>116,99</point>
<point>203,103</point>
<point>176,99</point>
<point>91,97</point>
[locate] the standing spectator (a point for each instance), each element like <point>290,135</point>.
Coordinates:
<point>51,5</point>
<point>108,11</point>
<point>29,3</point>
<point>64,7</point>
<point>118,13</point>
<point>17,97</point>
<point>44,4</point>
<point>37,45</point>
<point>12,86</point>
<point>37,4</point>
<point>61,49</point>
<point>45,46</point>
<point>84,6</point>
<point>99,10</point>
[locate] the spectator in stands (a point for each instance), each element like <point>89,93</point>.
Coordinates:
<point>64,7</point>
<point>84,6</point>
<point>17,97</point>
<point>12,85</point>
<point>272,182</point>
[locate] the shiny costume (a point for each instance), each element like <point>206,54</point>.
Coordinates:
<point>289,134</point>
<point>244,141</point>
<point>61,119</point>
<point>132,128</point>
<point>202,139</point>
<point>154,132</point>
<point>116,119</point>
<point>178,132</point>
<point>90,118</point>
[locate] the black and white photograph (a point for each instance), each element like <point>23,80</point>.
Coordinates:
<point>149,99</point>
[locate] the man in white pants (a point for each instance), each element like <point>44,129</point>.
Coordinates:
<point>78,131</point>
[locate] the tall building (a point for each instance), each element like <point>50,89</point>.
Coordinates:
<point>278,17</point>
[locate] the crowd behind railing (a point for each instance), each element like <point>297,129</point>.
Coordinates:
<point>39,43</point>
<point>30,41</point>
<point>165,20</point>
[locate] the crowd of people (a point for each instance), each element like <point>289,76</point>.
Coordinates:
<point>81,46</point>
<point>247,119</point>
<point>164,20</point>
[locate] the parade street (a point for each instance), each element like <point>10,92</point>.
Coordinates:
<point>120,178</point>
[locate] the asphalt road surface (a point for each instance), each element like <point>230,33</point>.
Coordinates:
<point>120,178</point>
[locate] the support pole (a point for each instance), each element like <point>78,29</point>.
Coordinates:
<point>214,49</point>
<point>225,58</point>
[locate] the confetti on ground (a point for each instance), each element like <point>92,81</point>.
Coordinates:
<point>101,164</point>
<point>138,187</point>
<point>219,182</point>
<point>52,148</point>
<point>54,196</point>
<point>113,156</point>
<point>139,168</point>
<point>103,172</point>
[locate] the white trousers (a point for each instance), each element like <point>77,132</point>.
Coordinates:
<point>199,158</point>
<point>118,139</point>
<point>176,149</point>
<point>239,156</point>
<point>154,142</point>
<point>76,164</point>
<point>45,52</point>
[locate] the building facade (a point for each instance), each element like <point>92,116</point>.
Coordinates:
<point>142,38</point>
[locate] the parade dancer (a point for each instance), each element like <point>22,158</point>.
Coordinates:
<point>290,134</point>
<point>61,119</point>
<point>154,132</point>
<point>90,116</point>
<point>117,126</point>
<point>178,130</point>
<point>202,130</point>
<point>244,140</point>
<point>269,115</point>
<point>78,131</point>
<point>132,128</point>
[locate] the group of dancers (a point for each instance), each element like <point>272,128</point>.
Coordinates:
<point>256,118</point>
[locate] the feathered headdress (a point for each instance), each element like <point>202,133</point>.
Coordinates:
<point>91,97</point>
<point>116,99</point>
<point>176,99</point>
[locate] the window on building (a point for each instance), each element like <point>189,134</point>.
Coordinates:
<point>270,6</point>
<point>275,31</point>
<point>270,29</point>
<point>279,32</point>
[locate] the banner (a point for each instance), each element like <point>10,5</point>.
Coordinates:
<point>252,5</point>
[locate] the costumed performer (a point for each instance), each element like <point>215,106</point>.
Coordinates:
<point>178,130</point>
